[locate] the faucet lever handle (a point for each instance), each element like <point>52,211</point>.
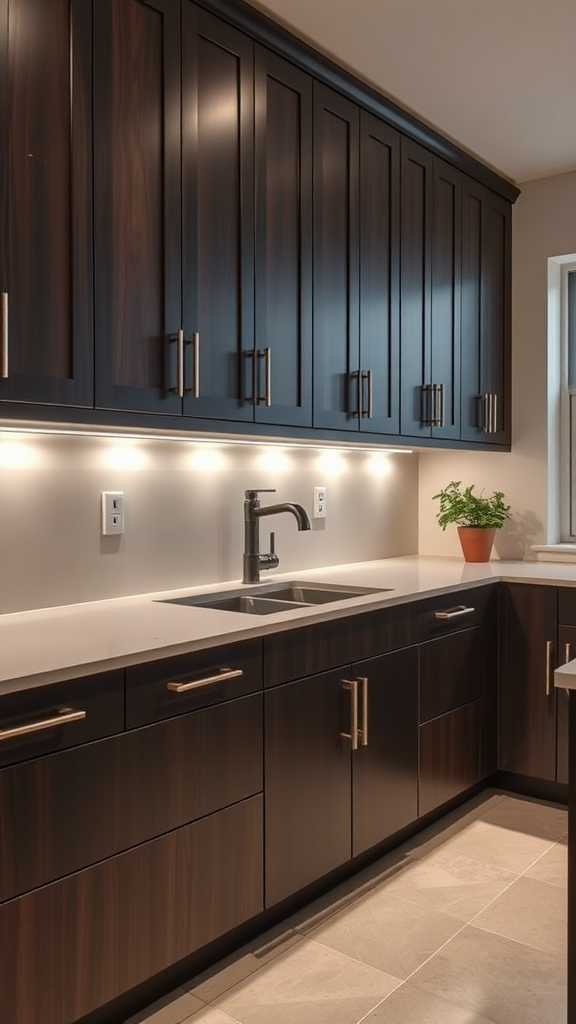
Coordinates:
<point>253,495</point>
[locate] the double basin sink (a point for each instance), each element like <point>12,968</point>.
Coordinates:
<point>270,598</point>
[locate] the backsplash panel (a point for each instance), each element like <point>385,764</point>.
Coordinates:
<point>183,512</point>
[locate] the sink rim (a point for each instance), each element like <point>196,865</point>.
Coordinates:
<point>269,593</point>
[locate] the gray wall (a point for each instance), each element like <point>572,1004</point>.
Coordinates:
<point>184,513</point>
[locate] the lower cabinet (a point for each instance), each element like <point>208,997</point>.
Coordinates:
<point>70,947</point>
<point>341,767</point>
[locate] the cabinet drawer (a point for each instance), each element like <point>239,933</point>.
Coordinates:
<point>64,812</point>
<point>450,672</point>
<point>567,606</point>
<point>311,649</point>
<point>451,612</point>
<point>449,756</point>
<point>29,714</point>
<point>70,947</point>
<point>173,686</point>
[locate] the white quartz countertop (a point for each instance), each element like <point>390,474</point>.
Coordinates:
<point>53,644</point>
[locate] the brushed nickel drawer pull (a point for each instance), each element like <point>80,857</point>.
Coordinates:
<point>4,335</point>
<point>352,686</point>
<point>363,680</point>
<point>63,716</point>
<point>549,650</point>
<point>220,677</point>
<point>455,613</point>
<point>266,355</point>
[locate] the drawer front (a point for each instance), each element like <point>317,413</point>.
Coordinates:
<point>450,673</point>
<point>449,613</point>
<point>449,756</point>
<point>311,649</point>
<point>70,947</point>
<point>174,686</point>
<point>567,607</point>
<point>64,812</point>
<point>46,719</point>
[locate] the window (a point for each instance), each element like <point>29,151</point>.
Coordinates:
<point>568,400</point>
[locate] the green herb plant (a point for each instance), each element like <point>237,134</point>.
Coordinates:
<point>458,505</point>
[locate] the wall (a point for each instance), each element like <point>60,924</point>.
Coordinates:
<point>544,225</point>
<point>184,513</point>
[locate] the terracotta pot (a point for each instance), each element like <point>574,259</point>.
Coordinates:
<point>476,542</point>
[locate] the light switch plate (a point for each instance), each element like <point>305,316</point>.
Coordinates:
<point>112,513</point>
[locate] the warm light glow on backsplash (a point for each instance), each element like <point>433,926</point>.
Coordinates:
<point>208,459</point>
<point>18,454</point>
<point>331,462</point>
<point>274,460</point>
<point>379,464</point>
<point>125,456</point>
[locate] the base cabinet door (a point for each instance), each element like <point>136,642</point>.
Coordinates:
<point>307,782</point>
<point>72,946</point>
<point>449,755</point>
<point>385,765</point>
<point>528,625</point>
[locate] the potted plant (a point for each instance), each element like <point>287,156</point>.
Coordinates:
<point>476,516</point>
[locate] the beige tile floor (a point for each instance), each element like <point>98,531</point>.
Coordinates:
<point>465,924</point>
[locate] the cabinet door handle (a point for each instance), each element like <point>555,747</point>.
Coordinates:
<point>455,613</point>
<point>567,655</point>
<point>63,716</point>
<point>194,684</point>
<point>549,651</point>
<point>4,335</point>
<point>179,385</point>
<point>352,686</point>
<point>266,355</point>
<point>363,680</point>
<point>427,401</point>
<point>366,410</point>
<point>437,393</point>
<point>490,424</point>
<point>195,343</point>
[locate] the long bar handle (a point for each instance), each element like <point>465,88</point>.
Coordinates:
<point>490,424</point>
<point>195,342</point>
<point>266,355</point>
<point>368,410</point>
<point>195,684</point>
<point>363,732</point>
<point>567,654</point>
<point>63,716</point>
<point>352,686</point>
<point>455,613</point>
<point>549,651</point>
<point>4,335</point>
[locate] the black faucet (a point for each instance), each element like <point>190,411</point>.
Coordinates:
<point>253,560</point>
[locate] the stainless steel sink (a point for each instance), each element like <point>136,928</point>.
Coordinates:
<point>269,598</point>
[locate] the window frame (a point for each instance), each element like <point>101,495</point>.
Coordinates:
<point>568,401</point>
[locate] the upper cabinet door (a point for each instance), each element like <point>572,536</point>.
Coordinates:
<point>417,191</point>
<point>218,217</point>
<point>446,291</point>
<point>379,278</point>
<point>137,204</point>
<point>46,354</point>
<point>486,318</point>
<point>336,263</point>
<point>283,168</point>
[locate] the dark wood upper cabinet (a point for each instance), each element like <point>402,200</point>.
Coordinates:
<point>137,241</point>
<point>282,360</point>
<point>45,201</point>
<point>486,315</point>
<point>379,401</point>
<point>217,217</point>
<point>430,295</point>
<point>356,223</point>
<point>336,264</point>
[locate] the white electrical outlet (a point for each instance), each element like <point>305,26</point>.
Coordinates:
<point>112,512</point>
<point>320,502</point>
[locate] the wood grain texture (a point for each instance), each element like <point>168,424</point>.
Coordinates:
<point>64,812</point>
<point>451,670</point>
<point>449,756</point>
<point>446,294</point>
<point>528,620</point>
<point>70,947</point>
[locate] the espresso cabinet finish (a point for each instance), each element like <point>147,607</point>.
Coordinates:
<point>46,201</point>
<point>486,315</point>
<point>70,947</point>
<point>528,625</point>
<point>356,223</point>
<point>449,756</point>
<point>566,652</point>
<point>430,295</point>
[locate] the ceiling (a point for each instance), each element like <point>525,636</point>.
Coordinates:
<point>498,77</point>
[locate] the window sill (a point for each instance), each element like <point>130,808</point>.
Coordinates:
<point>555,552</point>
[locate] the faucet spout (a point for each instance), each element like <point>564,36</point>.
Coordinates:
<point>253,512</point>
